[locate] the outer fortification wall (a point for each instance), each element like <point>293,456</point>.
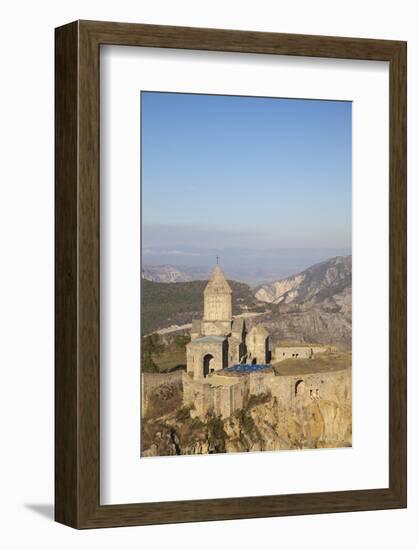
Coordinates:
<point>226,395</point>
<point>332,386</point>
<point>206,396</point>
<point>299,352</point>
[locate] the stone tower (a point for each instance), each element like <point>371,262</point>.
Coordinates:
<point>217,298</point>
<point>217,320</point>
<point>208,350</point>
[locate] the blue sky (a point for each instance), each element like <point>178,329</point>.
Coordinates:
<point>227,171</point>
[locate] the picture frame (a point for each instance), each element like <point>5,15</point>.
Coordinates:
<point>77,274</point>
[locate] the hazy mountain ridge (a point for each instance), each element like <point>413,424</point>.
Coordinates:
<point>164,274</point>
<point>254,266</point>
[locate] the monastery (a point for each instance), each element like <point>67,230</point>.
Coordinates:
<point>226,363</point>
<point>219,340</point>
<point>229,368</point>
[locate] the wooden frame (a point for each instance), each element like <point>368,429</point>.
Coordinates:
<point>77,372</point>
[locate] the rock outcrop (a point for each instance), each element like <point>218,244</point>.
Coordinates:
<point>316,284</point>
<point>313,306</point>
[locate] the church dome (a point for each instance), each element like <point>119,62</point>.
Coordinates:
<point>218,283</point>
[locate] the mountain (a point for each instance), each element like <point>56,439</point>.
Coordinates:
<point>164,274</point>
<point>312,306</point>
<point>317,283</point>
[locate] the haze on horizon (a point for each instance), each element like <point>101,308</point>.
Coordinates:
<point>232,174</point>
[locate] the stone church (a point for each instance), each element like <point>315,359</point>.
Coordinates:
<point>218,340</point>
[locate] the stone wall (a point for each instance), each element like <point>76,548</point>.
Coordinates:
<point>298,352</point>
<point>216,328</point>
<point>219,399</point>
<point>331,386</point>
<point>289,390</point>
<point>315,409</point>
<point>152,381</point>
<point>260,382</point>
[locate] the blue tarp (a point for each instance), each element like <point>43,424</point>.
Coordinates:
<point>246,368</point>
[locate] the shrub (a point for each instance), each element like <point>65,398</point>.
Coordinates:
<point>216,435</point>
<point>183,414</point>
<point>181,341</point>
<point>247,422</point>
<point>258,399</point>
<point>148,364</point>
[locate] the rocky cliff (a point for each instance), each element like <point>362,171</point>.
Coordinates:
<point>312,306</point>
<point>316,284</point>
<point>265,425</point>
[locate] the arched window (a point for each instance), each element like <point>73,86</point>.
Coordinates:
<point>299,387</point>
<point>208,364</point>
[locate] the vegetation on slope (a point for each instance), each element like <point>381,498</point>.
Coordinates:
<point>322,362</point>
<point>165,304</point>
<point>161,356</point>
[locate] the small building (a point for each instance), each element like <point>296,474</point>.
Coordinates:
<point>205,355</point>
<point>298,352</point>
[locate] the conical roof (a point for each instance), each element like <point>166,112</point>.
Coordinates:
<point>217,282</point>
